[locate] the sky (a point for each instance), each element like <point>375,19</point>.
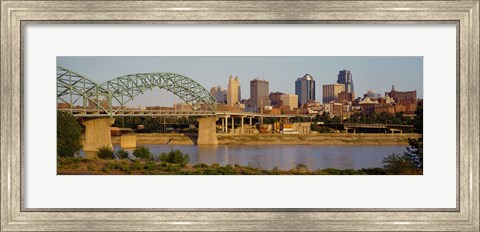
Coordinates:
<point>368,73</point>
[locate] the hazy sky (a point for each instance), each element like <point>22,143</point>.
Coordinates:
<point>377,73</point>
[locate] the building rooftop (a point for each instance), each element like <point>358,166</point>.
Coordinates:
<point>306,77</point>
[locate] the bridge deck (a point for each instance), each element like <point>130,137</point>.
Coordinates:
<point>172,113</point>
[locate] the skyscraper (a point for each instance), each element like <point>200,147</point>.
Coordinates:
<point>331,91</point>
<point>219,94</point>
<point>305,89</point>
<point>233,91</point>
<point>259,91</point>
<point>345,78</point>
<point>275,98</point>
<point>290,100</point>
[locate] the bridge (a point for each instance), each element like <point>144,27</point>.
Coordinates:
<point>393,128</point>
<point>97,105</point>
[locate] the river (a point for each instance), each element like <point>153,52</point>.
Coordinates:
<point>284,156</point>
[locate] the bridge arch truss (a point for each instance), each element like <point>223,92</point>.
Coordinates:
<point>85,97</point>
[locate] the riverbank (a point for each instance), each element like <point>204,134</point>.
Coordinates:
<point>80,166</point>
<point>300,139</point>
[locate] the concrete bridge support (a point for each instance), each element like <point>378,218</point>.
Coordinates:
<point>241,125</point>
<point>97,133</point>
<point>207,131</point>
<point>128,141</point>
<point>225,124</point>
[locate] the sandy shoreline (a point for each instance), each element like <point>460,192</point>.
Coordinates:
<point>300,139</point>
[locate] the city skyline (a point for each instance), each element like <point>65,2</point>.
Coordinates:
<point>368,73</point>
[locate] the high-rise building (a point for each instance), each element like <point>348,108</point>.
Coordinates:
<point>275,98</point>
<point>259,91</point>
<point>331,91</point>
<point>289,100</point>
<point>305,89</point>
<point>345,78</point>
<point>219,94</point>
<point>233,91</point>
<point>346,97</point>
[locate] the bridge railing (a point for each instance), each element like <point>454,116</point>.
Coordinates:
<point>82,112</point>
<point>361,125</point>
<point>375,125</point>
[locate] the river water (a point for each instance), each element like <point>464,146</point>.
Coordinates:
<point>284,156</point>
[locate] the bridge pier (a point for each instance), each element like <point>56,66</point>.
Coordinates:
<point>241,125</point>
<point>223,125</point>
<point>207,131</point>
<point>97,133</point>
<point>128,141</point>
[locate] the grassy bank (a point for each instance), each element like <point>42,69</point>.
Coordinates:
<point>319,139</point>
<point>81,166</point>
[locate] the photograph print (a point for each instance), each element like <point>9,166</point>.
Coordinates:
<point>239,115</point>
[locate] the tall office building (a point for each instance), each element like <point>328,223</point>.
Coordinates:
<point>305,89</point>
<point>219,94</point>
<point>345,78</point>
<point>259,92</point>
<point>290,100</point>
<point>275,98</point>
<point>331,91</point>
<point>233,91</point>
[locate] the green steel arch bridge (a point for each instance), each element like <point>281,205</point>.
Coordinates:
<point>97,104</point>
<point>85,98</point>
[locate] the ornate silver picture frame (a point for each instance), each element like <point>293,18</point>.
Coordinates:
<point>16,14</point>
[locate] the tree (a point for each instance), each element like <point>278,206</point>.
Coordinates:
<point>68,135</point>
<point>143,153</point>
<point>105,152</point>
<point>175,157</point>
<point>412,159</point>
<point>398,165</point>
<point>415,151</point>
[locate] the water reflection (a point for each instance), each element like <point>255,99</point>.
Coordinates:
<point>282,156</point>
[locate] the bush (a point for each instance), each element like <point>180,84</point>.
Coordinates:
<point>374,171</point>
<point>398,165</point>
<point>200,165</point>
<point>150,165</point>
<point>175,157</point>
<point>123,166</point>
<point>275,171</point>
<point>70,162</point>
<point>68,135</point>
<point>143,153</point>
<point>122,154</point>
<point>334,171</point>
<point>227,170</point>
<point>173,168</point>
<point>136,165</point>
<point>105,152</point>
<point>106,169</point>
